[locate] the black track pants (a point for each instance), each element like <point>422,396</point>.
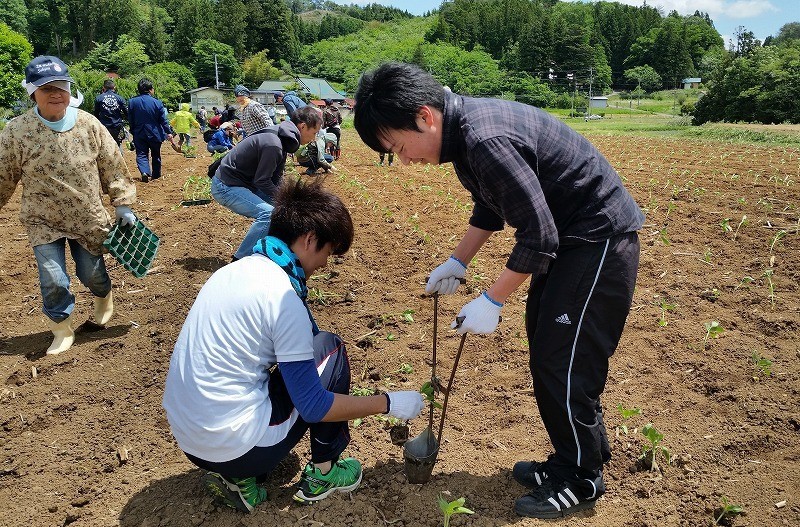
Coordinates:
<point>575,315</point>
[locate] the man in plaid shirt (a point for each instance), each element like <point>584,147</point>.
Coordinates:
<point>254,115</point>
<point>575,237</point>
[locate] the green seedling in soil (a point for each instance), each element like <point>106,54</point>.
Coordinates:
<point>768,275</point>
<point>742,223</point>
<point>663,235</point>
<point>405,369</point>
<point>360,391</point>
<point>391,337</point>
<point>449,508</point>
<point>662,321</point>
<point>429,392</point>
<point>357,422</point>
<point>726,225</point>
<point>726,512</point>
<point>626,414</point>
<point>707,255</point>
<point>713,330</point>
<point>319,296</point>
<point>189,151</point>
<point>763,365</point>
<point>196,188</point>
<point>780,234</point>
<point>745,280</point>
<point>653,449</point>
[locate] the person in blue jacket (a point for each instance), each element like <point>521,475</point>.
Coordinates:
<point>111,109</point>
<point>291,102</point>
<point>221,140</point>
<point>149,126</point>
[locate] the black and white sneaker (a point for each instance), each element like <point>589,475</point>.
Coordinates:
<point>530,473</point>
<point>555,499</point>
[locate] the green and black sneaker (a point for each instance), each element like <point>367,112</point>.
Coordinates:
<point>344,476</point>
<point>242,494</point>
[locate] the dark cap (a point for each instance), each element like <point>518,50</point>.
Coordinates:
<point>328,102</point>
<point>241,90</point>
<point>44,69</point>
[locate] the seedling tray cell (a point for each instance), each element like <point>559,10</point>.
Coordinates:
<point>134,246</point>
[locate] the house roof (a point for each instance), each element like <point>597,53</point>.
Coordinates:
<point>275,85</point>
<point>320,87</point>
<point>691,79</point>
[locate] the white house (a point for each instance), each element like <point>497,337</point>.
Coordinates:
<point>210,97</point>
<point>691,82</point>
<point>598,102</point>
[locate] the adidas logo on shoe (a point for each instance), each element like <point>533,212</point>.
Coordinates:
<point>557,499</point>
<point>563,319</point>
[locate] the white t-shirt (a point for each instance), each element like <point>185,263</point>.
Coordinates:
<point>246,318</point>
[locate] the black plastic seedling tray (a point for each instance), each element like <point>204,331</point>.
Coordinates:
<point>135,247</point>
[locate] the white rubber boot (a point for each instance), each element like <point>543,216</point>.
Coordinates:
<point>103,308</point>
<point>63,335</point>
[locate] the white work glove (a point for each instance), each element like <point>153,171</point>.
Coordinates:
<point>480,316</point>
<point>405,405</point>
<point>125,215</point>
<point>446,278</point>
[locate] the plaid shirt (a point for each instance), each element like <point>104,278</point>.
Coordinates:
<point>255,117</point>
<point>528,169</point>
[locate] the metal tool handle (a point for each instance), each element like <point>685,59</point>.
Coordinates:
<point>450,383</point>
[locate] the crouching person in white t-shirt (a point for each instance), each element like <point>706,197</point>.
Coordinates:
<point>251,372</point>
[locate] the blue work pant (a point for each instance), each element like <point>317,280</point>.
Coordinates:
<point>249,203</point>
<point>54,280</point>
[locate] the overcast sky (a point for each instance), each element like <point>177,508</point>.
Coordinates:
<point>762,17</point>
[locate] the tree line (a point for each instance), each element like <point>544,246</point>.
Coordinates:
<point>537,51</point>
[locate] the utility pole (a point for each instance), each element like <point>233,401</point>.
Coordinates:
<point>216,73</point>
<point>574,80</point>
<point>591,78</point>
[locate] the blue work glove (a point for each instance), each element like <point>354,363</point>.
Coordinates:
<point>125,215</point>
<point>480,316</point>
<point>405,405</point>
<point>446,278</point>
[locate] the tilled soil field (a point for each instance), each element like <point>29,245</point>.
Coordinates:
<point>84,440</point>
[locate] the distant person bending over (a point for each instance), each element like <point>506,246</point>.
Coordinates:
<point>313,156</point>
<point>182,122</point>
<point>272,113</point>
<point>332,118</point>
<point>221,140</point>
<point>254,115</point>
<point>251,372</point>
<point>248,177</point>
<point>112,110</point>
<point>149,126</point>
<point>291,102</point>
<point>66,160</point>
<point>575,238</point>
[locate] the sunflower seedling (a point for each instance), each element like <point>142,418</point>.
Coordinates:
<point>724,514</point>
<point>763,366</point>
<point>449,508</point>
<point>713,330</point>
<point>428,391</point>
<point>653,449</point>
<point>626,414</point>
<point>662,321</point>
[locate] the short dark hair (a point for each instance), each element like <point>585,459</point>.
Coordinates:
<point>144,86</point>
<point>109,84</point>
<point>389,98</point>
<point>308,114</point>
<point>305,206</point>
